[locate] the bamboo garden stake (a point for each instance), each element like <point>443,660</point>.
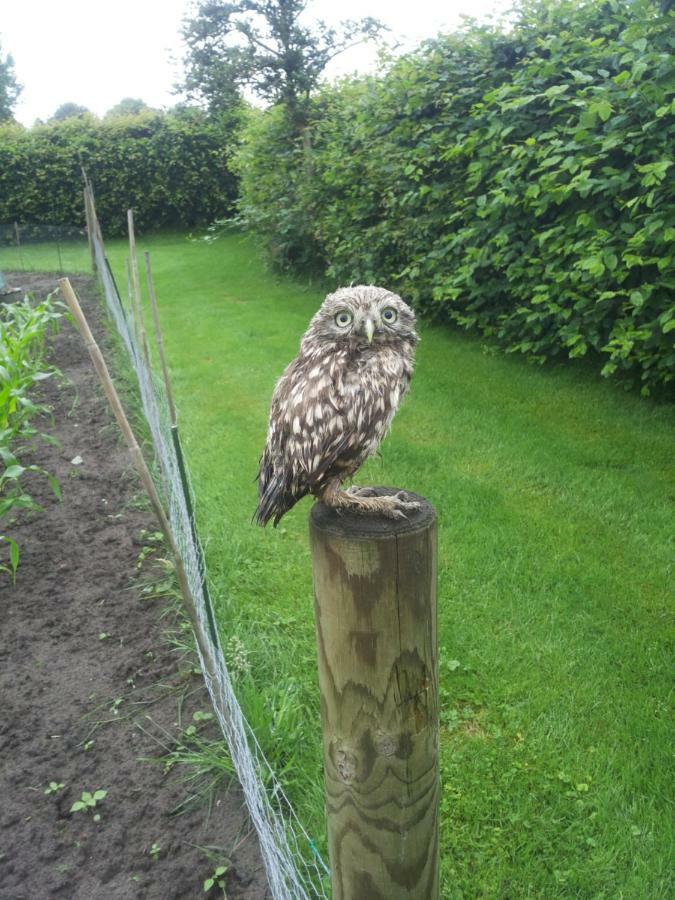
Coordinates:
<point>141,468</point>
<point>136,285</point>
<point>178,448</point>
<point>90,227</point>
<point>158,338</point>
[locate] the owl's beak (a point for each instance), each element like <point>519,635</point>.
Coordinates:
<point>370,330</point>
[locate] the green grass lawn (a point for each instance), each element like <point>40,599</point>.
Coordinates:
<point>68,256</point>
<point>554,493</point>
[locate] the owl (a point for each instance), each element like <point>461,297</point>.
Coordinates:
<point>335,402</point>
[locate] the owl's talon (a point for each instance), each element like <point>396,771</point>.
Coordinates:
<point>355,490</point>
<point>404,498</point>
<point>392,506</point>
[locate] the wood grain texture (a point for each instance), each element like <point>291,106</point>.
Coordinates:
<point>375,602</point>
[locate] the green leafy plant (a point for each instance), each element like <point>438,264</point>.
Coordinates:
<point>14,556</point>
<point>171,167</point>
<point>216,879</point>
<point>517,181</point>
<point>54,787</point>
<point>89,801</point>
<point>23,330</point>
<point>152,541</point>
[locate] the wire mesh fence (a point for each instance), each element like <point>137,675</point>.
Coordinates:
<point>294,867</point>
<point>39,247</point>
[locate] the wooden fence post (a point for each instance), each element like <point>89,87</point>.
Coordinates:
<point>375,600</point>
<point>17,238</point>
<point>136,299</point>
<point>88,215</point>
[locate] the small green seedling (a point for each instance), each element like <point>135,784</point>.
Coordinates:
<point>14,556</point>
<point>155,850</point>
<point>198,716</point>
<point>88,801</point>
<point>88,745</point>
<point>54,787</point>
<point>103,636</point>
<point>152,541</point>
<point>218,878</point>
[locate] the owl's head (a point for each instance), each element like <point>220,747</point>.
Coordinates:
<point>363,315</point>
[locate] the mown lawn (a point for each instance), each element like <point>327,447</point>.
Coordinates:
<point>554,491</point>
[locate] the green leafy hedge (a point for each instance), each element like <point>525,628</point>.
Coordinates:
<point>171,168</point>
<point>520,183</point>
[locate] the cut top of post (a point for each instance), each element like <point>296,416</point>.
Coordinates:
<point>360,526</point>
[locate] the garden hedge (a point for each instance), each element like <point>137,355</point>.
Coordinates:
<point>519,182</point>
<point>171,168</point>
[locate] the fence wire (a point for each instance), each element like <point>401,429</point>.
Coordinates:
<point>55,248</point>
<point>293,865</point>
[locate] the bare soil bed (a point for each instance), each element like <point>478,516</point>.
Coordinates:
<point>84,662</point>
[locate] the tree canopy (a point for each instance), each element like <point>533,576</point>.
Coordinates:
<point>9,87</point>
<point>69,111</point>
<point>517,180</point>
<point>128,106</point>
<point>263,45</point>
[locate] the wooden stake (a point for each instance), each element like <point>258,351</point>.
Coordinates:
<point>58,253</point>
<point>130,296</point>
<point>18,245</point>
<point>158,338</point>
<point>178,449</point>
<point>95,224</point>
<point>375,601</point>
<point>92,204</point>
<point>136,285</point>
<point>140,466</point>
<point>90,226</point>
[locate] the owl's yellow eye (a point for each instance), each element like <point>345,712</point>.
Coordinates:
<point>389,315</point>
<point>343,318</point>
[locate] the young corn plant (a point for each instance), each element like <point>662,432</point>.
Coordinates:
<point>24,327</point>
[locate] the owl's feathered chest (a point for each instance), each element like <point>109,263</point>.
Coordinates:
<point>353,380</point>
<point>336,402</point>
<point>371,388</point>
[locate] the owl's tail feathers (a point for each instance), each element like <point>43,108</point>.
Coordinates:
<point>276,497</point>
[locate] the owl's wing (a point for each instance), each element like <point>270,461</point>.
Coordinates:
<point>275,481</point>
<point>305,439</point>
<point>322,427</point>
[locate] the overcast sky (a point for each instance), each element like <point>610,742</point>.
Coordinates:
<point>94,53</point>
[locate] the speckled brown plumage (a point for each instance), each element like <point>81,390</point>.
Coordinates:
<point>335,402</point>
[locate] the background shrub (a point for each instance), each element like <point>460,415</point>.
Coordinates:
<point>518,183</point>
<point>171,168</point>
<point>273,167</point>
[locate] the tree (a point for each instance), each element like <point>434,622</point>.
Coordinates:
<point>69,111</point>
<point>129,106</point>
<point>262,45</point>
<point>9,87</point>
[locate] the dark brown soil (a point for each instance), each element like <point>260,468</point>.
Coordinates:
<point>63,686</point>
